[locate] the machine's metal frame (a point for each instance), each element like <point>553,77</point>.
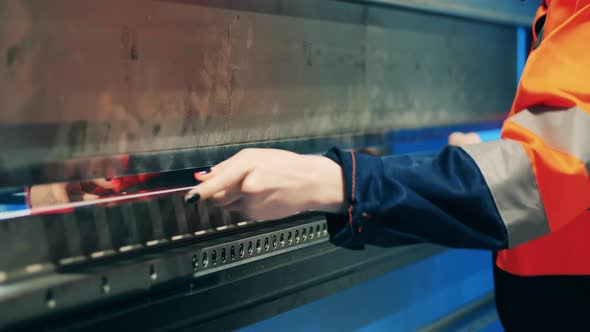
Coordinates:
<point>139,265</point>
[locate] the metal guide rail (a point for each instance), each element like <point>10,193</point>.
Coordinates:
<point>71,285</point>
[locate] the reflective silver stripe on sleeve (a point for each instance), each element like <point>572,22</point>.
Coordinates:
<point>510,178</point>
<point>566,130</point>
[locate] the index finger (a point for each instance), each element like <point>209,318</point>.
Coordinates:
<point>222,179</point>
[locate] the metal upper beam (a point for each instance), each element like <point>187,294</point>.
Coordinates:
<point>513,12</point>
<point>94,79</point>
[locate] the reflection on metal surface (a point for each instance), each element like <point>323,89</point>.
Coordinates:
<point>168,160</point>
<point>66,196</point>
<point>122,198</point>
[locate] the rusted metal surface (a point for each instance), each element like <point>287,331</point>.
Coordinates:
<point>90,78</point>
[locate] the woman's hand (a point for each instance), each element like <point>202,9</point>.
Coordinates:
<point>267,184</point>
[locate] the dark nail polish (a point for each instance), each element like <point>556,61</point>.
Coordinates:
<point>108,179</point>
<point>192,198</point>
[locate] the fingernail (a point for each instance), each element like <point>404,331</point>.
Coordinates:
<point>107,179</point>
<point>204,171</point>
<point>192,198</point>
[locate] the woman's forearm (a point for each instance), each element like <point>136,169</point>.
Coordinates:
<point>441,198</point>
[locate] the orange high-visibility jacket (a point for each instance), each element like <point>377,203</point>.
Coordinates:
<point>550,119</point>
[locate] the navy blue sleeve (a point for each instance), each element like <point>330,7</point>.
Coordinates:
<point>440,198</point>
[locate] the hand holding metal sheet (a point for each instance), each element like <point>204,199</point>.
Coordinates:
<point>268,184</point>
